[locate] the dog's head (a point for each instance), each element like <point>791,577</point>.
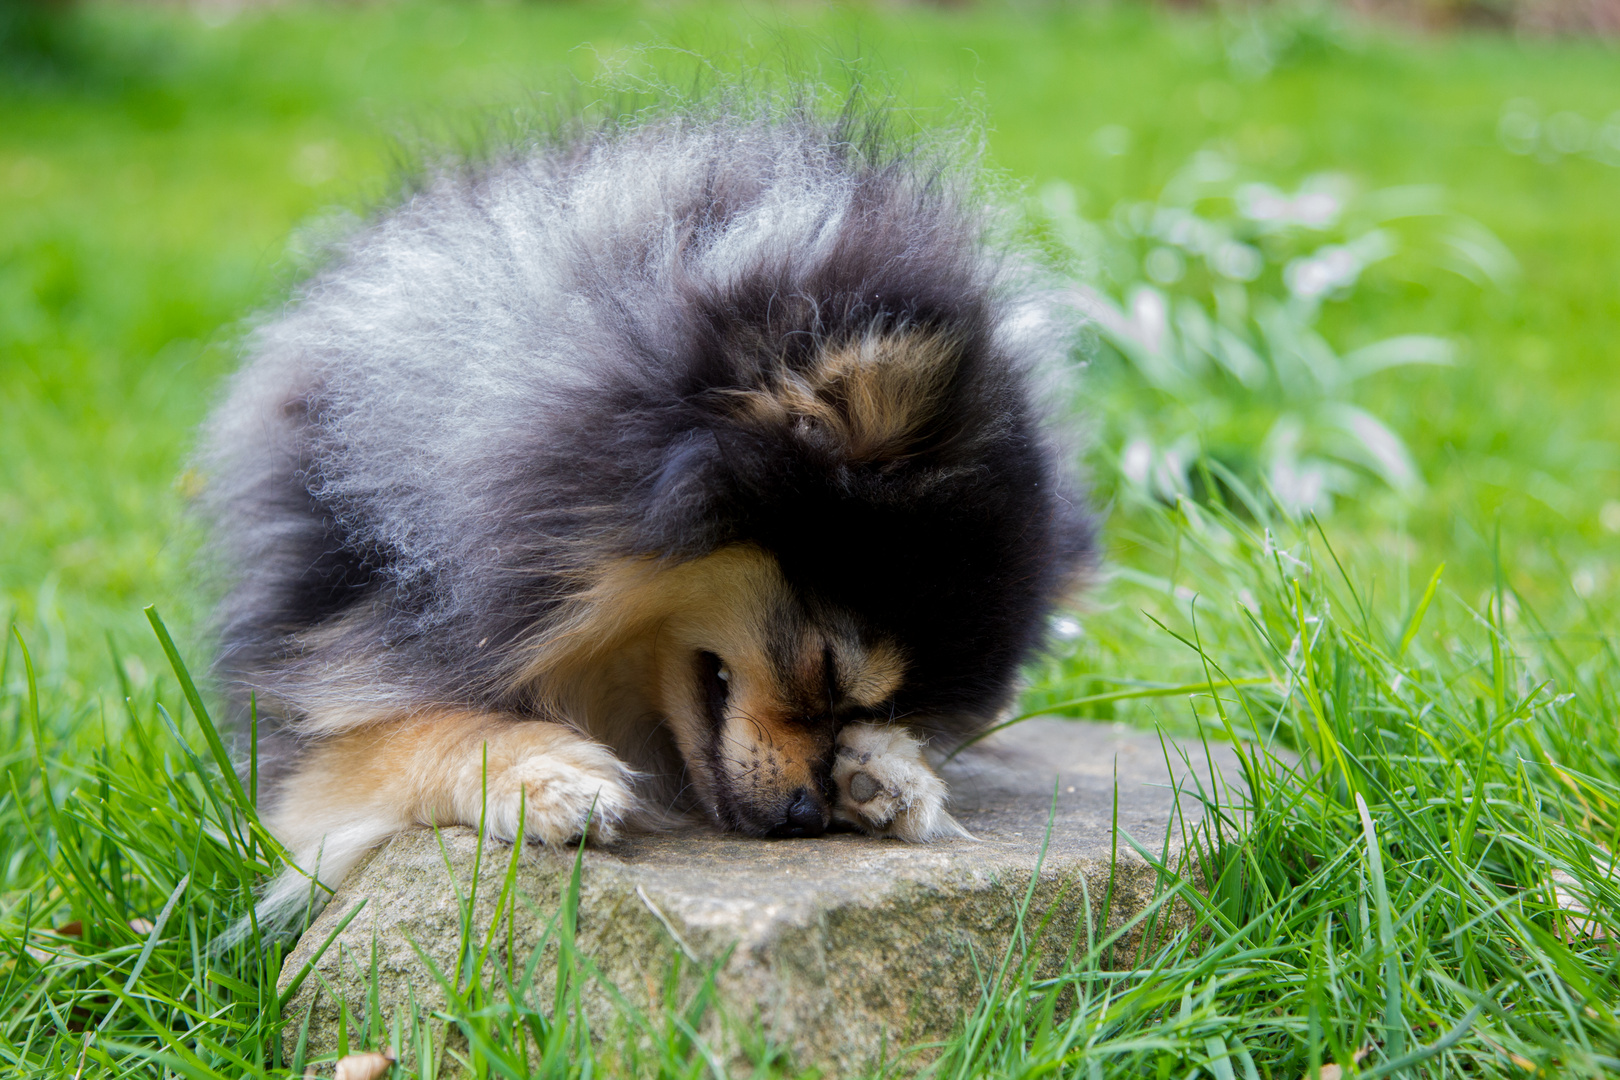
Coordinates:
<point>875,531</point>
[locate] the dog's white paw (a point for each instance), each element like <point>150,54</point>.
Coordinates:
<point>561,793</point>
<point>885,787</point>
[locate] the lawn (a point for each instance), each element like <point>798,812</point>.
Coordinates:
<point>1434,884</point>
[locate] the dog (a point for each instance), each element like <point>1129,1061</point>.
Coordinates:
<point>692,463</point>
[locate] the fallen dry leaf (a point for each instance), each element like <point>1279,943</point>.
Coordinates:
<point>1568,895</point>
<point>1336,1072</point>
<point>75,929</point>
<point>141,928</point>
<point>364,1066</point>
<point>43,957</point>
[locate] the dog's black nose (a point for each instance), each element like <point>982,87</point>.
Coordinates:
<point>804,817</point>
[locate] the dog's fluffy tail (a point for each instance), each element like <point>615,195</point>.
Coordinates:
<point>298,893</point>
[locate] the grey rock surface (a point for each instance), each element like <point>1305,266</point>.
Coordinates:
<point>839,948</point>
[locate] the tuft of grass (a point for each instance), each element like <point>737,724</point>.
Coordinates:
<point>1386,892</point>
<point>1210,323</point>
<point>1417,874</point>
<point>126,873</point>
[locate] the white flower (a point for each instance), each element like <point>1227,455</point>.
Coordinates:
<point>1312,209</point>
<point>1330,268</point>
<point>1150,318</point>
<point>1137,461</point>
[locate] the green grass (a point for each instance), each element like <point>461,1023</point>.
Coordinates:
<point>152,172</point>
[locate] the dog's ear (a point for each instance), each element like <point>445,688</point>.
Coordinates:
<point>684,512</point>
<point>873,401</point>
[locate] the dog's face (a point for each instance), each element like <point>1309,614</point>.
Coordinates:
<point>752,682</point>
<point>755,689</point>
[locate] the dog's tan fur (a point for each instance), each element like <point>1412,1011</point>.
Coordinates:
<point>519,777</point>
<point>621,663</point>
<point>872,398</point>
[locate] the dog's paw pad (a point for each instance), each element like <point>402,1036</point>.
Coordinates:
<point>886,788</point>
<point>863,787</point>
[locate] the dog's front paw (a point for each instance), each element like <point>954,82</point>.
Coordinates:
<point>563,793</point>
<point>886,788</point>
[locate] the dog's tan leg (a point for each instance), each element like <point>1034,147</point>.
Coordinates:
<point>451,768</point>
<point>886,788</point>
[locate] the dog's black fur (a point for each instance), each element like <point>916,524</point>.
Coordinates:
<point>498,387</point>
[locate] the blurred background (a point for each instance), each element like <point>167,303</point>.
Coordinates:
<point>1351,386</point>
<point>1359,261</point>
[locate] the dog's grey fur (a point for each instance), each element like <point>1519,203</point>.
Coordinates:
<point>482,397</point>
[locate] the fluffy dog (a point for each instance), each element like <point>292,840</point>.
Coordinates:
<point>685,464</point>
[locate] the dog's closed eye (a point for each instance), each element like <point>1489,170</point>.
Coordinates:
<point>715,680</point>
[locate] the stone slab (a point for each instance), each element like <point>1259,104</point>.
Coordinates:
<point>840,948</point>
